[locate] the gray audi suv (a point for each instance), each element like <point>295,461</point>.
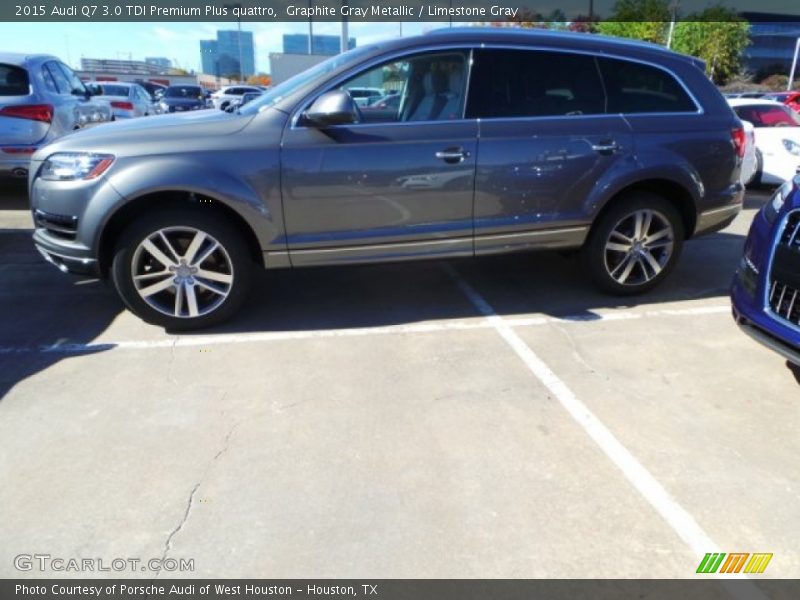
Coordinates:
<point>502,141</point>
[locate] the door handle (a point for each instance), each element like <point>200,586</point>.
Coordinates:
<point>605,147</point>
<point>452,155</point>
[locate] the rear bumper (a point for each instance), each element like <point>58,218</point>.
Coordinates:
<point>15,163</point>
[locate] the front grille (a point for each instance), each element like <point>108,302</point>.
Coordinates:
<point>784,278</point>
<point>60,226</point>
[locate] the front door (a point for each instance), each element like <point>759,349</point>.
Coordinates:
<point>398,184</point>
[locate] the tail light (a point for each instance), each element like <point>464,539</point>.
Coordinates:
<point>122,105</point>
<point>739,141</point>
<point>34,112</point>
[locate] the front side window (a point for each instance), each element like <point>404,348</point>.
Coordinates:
<point>425,87</point>
<point>533,83</point>
<point>638,88</point>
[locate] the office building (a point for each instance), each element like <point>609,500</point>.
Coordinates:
<point>772,42</point>
<point>327,45</point>
<point>159,62</point>
<point>221,57</point>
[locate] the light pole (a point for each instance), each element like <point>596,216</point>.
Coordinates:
<point>674,7</point>
<point>310,30</point>
<point>794,65</point>
<point>345,41</point>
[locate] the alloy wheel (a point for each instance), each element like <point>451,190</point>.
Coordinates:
<point>182,272</point>
<point>639,247</point>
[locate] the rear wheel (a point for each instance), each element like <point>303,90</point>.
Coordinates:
<point>182,269</point>
<point>634,245</point>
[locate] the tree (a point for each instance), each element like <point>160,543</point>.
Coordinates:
<point>645,20</point>
<point>716,35</point>
<point>259,79</point>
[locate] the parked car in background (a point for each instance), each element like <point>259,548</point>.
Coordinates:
<point>155,91</point>
<point>766,288</point>
<point>777,136</point>
<point>383,107</point>
<point>181,98</point>
<point>242,100</point>
<point>41,99</point>
<point>224,96</point>
<point>127,100</point>
<point>790,99</point>
<point>507,141</point>
<point>750,159</point>
<point>364,96</point>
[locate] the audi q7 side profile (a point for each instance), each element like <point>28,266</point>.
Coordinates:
<point>502,141</point>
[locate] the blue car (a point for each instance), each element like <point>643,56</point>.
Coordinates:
<point>766,289</point>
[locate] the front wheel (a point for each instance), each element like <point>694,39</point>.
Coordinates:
<point>634,245</point>
<point>182,269</point>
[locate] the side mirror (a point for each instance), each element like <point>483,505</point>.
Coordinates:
<point>332,108</point>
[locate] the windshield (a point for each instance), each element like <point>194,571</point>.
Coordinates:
<point>183,92</point>
<point>114,90</point>
<point>768,116</point>
<point>280,91</point>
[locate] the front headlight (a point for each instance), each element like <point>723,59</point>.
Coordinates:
<point>73,166</point>
<point>774,206</point>
<point>792,147</point>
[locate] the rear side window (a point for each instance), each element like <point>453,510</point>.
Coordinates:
<point>14,81</point>
<point>637,88</point>
<point>534,83</point>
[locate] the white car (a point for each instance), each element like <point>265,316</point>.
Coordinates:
<point>777,137</point>
<point>128,100</point>
<point>223,96</point>
<point>750,159</point>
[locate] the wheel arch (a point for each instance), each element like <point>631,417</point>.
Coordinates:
<point>170,198</point>
<point>676,193</point>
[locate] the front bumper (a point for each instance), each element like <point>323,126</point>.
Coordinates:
<point>749,294</point>
<point>68,258</point>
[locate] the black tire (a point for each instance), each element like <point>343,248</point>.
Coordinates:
<point>231,258</point>
<point>224,106</point>
<point>606,267</point>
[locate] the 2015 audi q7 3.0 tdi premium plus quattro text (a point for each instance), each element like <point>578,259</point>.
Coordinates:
<point>502,141</point>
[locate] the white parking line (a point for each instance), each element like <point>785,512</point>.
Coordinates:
<point>681,522</point>
<point>189,341</point>
<point>277,336</point>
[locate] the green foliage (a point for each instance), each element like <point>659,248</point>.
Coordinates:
<point>644,20</point>
<point>648,31</point>
<point>716,35</point>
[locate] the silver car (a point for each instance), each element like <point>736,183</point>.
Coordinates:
<point>41,99</point>
<point>127,100</point>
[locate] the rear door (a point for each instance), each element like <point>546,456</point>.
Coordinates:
<point>545,142</point>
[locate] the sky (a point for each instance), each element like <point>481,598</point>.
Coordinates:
<point>177,41</point>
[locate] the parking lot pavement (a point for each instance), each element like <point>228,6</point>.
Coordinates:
<point>491,418</point>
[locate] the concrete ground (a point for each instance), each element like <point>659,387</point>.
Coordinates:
<point>492,418</point>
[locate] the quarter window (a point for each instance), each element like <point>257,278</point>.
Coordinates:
<point>532,83</point>
<point>62,84</point>
<point>637,88</point>
<point>426,87</point>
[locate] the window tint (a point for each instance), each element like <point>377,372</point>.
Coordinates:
<point>532,83</point>
<point>637,88</point>
<point>49,82</point>
<point>13,81</point>
<point>765,115</point>
<point>58,77</point>
<point>73,81</point>
<point>430,87</point>
<point>114,90</point>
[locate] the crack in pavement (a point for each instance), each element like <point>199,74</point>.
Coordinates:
<point>190,503</point>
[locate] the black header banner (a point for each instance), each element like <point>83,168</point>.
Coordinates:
<point>388,10</point>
